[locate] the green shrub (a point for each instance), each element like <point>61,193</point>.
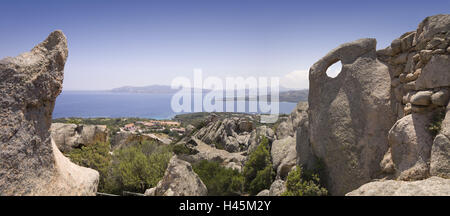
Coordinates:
<point>94,156</point>
<point>134,168</point>
<point>138,167</point>
<point>258,172</point>
<point>303,183</point>
<point>436,123</point>
<point>219,180</point>
<point>183,149</point>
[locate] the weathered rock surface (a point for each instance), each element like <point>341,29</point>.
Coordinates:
<point>410,146</point>
<point>256,136</point>
<point>263,193</point>
<point>284,155</point>
<point>277,188</point>
<point>179,180</point>
<point>413,154</point>
<point>30,163</point>
<point>70,136</point>
<point>350,115</point>
<point>433,186</point>
<point>440,151</point>
<point>126,138</point>
<point>289,125</point>
<point>232,134</point>
<point>205,152</point>
<point>436,73</point>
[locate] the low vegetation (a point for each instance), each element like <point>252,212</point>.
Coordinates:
<point>302,182</point>
<point>219,180</point>
<point>436,123</point>
<point>258,172</point>
<point>95,156</point>
<point>134,168</point>
<point>180,149</point>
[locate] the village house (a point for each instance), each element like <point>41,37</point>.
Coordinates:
<point>129,127</point>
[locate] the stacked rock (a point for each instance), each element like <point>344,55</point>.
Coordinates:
<point>419,63</point>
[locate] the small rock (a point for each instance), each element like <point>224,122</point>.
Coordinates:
<point>422,98</point>
<point>410,86</point>
<point>440,98</point>
<point>425,55</point>
<point>413,76</point>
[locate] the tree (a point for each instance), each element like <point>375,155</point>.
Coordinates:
<point>95,156</point>
<point>219,180</point>
<point>258,172</point>
<point>303,183</point>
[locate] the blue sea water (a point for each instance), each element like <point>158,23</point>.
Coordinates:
<point>88,104</point>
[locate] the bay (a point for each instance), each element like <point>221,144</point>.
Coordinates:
<point>90,104</point>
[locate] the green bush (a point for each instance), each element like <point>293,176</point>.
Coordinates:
<point>134,168</point>
<point>436,123</point>
<point>138,167</point>
<point>183,149</point>
<point>94,156</point>
<point>258,172</point>
<point>219,180</point>
<point>303,183</point>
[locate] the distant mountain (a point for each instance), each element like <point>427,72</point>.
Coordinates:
<point>293,96</point>
<point>286,95</point>
<point>151,89</point>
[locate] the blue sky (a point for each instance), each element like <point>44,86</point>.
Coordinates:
<point>117,43</point>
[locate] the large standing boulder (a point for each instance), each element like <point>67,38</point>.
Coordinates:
<point>30,162</point>
<point>284,155</point>
<point>350,115</point>
<point>440,151</point>
<point>433,186</point>
<point>70,136</point>
<point>410,146</point>
<point>179,180</point>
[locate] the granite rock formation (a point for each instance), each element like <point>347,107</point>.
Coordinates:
<point>433,186</point>
<point>350,115</point>
<point>70,136</point>
<point>30,162</point>
<point>179,180</point>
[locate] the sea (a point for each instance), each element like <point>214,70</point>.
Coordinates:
<point>92,104</point>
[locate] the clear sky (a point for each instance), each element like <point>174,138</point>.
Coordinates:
<point>117,43</point>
